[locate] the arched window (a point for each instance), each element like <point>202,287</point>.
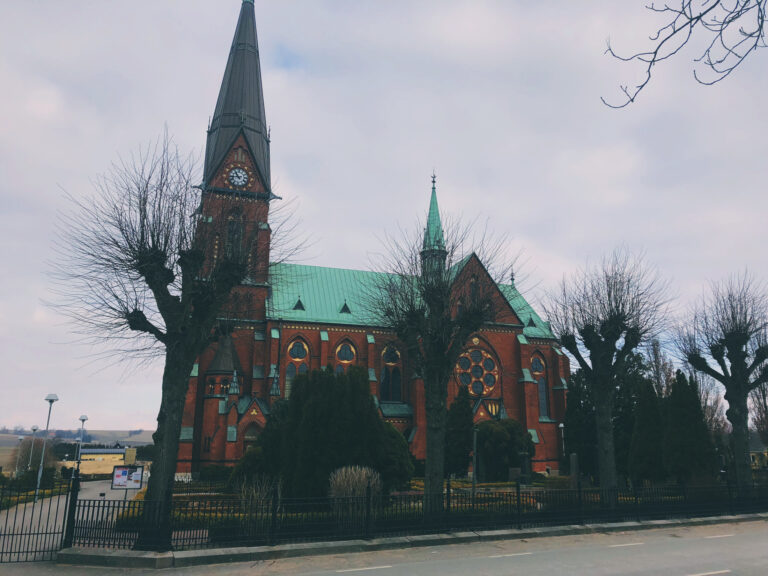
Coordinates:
<point>298,363</point>
<point>250,436</point>
<point>477,370</point>
<point>538,369</point>
<point>391,389</point>
<point>345,356</point>
<point>234,236</point>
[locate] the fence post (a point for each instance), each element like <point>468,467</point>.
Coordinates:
<point>637,502</point>
<point>448,495</point>
<point>730,495</point>
<point>581,502</point>
<point>368,497</point>
<point>273,520</point>
<point>69,526</point>
<point>519,507</point>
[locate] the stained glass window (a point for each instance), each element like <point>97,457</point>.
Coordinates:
<point>477,370</point>
<point>391,376</point>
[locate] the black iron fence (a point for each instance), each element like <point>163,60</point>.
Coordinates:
<point>204,521</point>
<point>32,525</point>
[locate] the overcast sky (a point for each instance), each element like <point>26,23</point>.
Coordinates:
<point>365,98</point>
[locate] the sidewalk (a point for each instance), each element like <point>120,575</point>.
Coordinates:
<point>135,559</point>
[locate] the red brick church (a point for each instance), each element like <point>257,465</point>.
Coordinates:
<point>310,317</point>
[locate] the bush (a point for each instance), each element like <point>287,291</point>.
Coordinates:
<point>349,491</point>
<point>330,421</point>
<point>499,444</point>
<point>353,481</point>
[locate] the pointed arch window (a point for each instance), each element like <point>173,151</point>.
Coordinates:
<point>345,357</point>
<point>298,363</point>
<point>391,389</point>
<point>539,371</point>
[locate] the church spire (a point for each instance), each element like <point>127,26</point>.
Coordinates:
<point>433,234</point>
<point>240,106</point>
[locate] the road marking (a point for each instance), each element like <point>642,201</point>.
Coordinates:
<point>623,545</point>
<point>719,536</point>
<point>361,569</point>
<point>511,555</point>
<point>711,573</point>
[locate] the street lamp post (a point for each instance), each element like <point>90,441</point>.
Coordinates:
<point>83,419</point>
<point>51,398</point>
<point>32,448</point>
<point>562,436</point>
<point>18,455</point>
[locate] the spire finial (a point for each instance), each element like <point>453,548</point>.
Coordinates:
<point>434,179</point>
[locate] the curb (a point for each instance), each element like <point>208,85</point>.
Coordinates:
<point>159,560</point>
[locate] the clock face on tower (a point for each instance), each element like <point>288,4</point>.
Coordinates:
<point>238,177</point>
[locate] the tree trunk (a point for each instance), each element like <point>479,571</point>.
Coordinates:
<point>156,529</point>
<point>738,417</point>
<point>434,469</point>
<point>606,454</point>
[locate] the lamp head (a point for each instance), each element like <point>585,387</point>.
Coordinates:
<point>35,429</point>
<point>21,438</point>
<point>83,418</point>
<point>561,425</point>
<point>51,398</point>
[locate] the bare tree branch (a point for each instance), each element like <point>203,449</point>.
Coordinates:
<point>731,30</point>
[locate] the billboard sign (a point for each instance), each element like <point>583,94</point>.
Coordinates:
<point>127,477</point>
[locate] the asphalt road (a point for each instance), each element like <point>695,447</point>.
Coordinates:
<point>739,549</point>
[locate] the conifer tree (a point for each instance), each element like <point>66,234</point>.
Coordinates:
<point>646,454</point>
<point>688,446</point>
<point>458,434</point>
<point>580,424</point>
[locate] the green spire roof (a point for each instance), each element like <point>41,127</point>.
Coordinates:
<point>433,235</point>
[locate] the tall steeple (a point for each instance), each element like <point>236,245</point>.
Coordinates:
<point>240,106</point>
<point>433,252</point>
<point>433,234</point>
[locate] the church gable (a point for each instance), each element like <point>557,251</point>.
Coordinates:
<point>238,171</point>
<point>473,270</point>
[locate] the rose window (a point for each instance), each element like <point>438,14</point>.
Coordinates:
<point>477,370</point>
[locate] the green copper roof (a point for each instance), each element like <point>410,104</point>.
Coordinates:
<point>433,235</point>
<point>325,291</point>
<point>536,329</point>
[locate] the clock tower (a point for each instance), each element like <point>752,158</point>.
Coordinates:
<point>236,179</point>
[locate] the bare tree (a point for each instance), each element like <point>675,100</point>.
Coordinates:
<point>434,295</point>
<point>662,370</point>
<point>730,30</point>
<point>146,267</point>
<point>727,339</point>
<point>601,314</point>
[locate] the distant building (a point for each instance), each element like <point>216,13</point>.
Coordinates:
<point>307,318</point>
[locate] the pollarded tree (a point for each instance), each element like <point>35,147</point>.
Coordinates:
<point>728,31</point>
<point>601,315</point>
<point>143,272</point>
<point>727,339</point>
<point>434,291</point>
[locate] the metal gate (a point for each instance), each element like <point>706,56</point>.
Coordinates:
<point>32,529</point>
